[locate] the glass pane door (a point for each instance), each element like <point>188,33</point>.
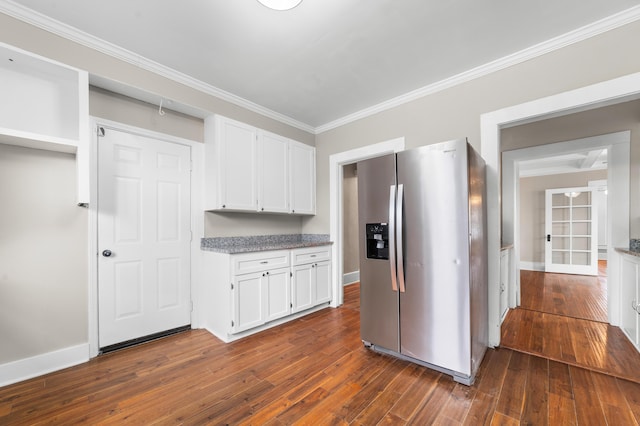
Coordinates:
<point>571,231</point>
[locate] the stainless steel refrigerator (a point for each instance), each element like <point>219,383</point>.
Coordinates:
<point>423,256</point>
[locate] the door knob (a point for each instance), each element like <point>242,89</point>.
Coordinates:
<point>107,253</point>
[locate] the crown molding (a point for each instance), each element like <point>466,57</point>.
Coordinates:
<point>46,23</point>
<point>68,32</point>
<point>609,23</point>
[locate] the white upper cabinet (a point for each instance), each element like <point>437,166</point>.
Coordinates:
<point>303,178</point>
<point>249,169</point>
<point>231,172</point>
<point>45,105</point>
<point>273,176</point>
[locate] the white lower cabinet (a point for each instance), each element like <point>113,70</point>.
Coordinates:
<point>311,284</point>
<point>246,293</point>
<point>260,297</point>
<point>277,290</point>
<point>630,266</point>
<point>247,297</point>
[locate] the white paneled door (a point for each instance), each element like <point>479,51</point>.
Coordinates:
<point>144,235</point>
<point>571,224</point>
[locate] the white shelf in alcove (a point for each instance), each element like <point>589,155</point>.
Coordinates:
<point>37,141</point>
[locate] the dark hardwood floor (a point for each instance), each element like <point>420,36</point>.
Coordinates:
<point>563,318</point>
<point>577,296</point>
<point>312,371</point>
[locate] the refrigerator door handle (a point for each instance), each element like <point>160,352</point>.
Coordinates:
<point>399,237</point>
<point>392,236</point>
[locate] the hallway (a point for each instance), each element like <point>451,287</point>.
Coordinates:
<point>563,318</point>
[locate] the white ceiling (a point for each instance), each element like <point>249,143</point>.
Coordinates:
<point>325,59</point>
<point>567,163</point>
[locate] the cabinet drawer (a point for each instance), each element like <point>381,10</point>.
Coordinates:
<point>256,262</point>
<point>310,255</point>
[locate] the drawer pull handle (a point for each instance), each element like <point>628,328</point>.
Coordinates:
<point>313,255</point>
<point>264,262</point>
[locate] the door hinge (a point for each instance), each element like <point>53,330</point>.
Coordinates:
<point>291,274</point>
<point>100,131</point>
<point>291,305</point>
<point>231,286</point>
<point>232,323</point>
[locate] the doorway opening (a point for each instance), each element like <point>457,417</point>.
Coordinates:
<point>336,170</point>
<point>523,200</point>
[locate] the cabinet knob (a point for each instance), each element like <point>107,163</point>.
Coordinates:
<point>267,273</point>
<point>262,209</point>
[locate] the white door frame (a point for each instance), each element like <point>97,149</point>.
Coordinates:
<point>597,95</point>
<point>336,162</point>
<point>618,181</point>
<point>197,220</point>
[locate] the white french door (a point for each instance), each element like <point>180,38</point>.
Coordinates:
<point>571,226</point>
<point>144,235</point>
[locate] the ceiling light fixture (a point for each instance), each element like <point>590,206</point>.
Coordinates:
<point>280,4</point>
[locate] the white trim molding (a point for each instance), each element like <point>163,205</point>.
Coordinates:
<point>27,368</point>
<point>350,278</point>
<point>532,266</point>
<point>597,95</point>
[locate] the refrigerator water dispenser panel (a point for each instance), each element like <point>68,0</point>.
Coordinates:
<point>377,240</point>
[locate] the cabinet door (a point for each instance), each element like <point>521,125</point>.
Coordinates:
<point>278,293</point>
<point>302,178</point>
<point>630,299</point>
<point>323,282</point>
<point>237,164</point>
<point>302,293</point>
<point>248,302</point>
<point>273,181</point>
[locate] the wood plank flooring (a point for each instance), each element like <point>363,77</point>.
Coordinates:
<point>312,371</point>
<point>577,296</point>
<point>563,318</point>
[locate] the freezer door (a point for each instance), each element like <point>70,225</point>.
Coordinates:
<point>378,300</point>
<point>434,309</point>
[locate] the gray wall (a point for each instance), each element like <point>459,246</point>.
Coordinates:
<point>351,249</point>
<point>43,254</point>
<point>123,109</point>
<point>532,208</point>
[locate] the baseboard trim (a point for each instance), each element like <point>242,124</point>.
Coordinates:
<point>27,368</point>
<point>532,266</point>
<point>351,278</point>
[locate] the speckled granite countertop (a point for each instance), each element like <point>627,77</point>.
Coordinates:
<point>627,251</point>
<point>255,243</point>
